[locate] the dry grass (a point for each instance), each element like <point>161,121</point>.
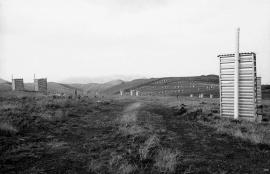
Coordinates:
<point>253,137</point>
<point>8,106</point>
<point>7,128</point>
<point>118,164</point>
<point>248,131</point>
<point>57,144</point>
<point>166,160</point>
<point>95,166</point>
<point>128,121</point>
<point>57,115</point>
<point>145,149</point>
<point>126,168</point>
<point>132,130</point>
<point>129,118</point>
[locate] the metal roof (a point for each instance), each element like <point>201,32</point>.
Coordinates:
<point>241,54</point>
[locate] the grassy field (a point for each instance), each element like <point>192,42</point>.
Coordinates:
<point>40,134</point>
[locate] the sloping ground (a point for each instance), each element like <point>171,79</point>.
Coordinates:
<point>118,136</point>
<point>5,85</point>
<point>128,85</point>
<point>93,88</point>
<point>172,86</point>
<point>3,81</point>
<point>54,87</point>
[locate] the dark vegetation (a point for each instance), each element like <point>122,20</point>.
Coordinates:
<point>266,91</point>
<point>40,134</point>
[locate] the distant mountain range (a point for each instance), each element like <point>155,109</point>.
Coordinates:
<point>100,80</point>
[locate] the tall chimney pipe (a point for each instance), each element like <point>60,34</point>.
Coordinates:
<point>236,77</point>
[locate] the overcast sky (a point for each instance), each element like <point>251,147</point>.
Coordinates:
<point>58,39</point>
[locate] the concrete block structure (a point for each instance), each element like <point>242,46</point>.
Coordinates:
<point>132,92</point>
<point>200,95</point>
<point>121,92</point>
<point>17,85</point>
<point>137,93</point>
<point>40,85</point>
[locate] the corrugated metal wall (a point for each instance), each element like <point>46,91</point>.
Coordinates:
<point>247,86</point>
<point>17,85</point>
<point>259,91</point>
<point>40,85</point>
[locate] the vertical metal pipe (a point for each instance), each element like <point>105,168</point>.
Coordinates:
<point>236,77</point>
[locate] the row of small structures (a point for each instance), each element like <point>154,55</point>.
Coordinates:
<point>40,85</point>
<point>138,93</point>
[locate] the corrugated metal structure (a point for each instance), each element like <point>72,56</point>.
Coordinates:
<point>248,86</point>
<point>17,84</point>
<point>259,91</point>
<point>259,99</point>
<point>40,85</point>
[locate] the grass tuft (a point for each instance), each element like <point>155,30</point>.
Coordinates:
<point>145,149</point>
<point>166,160</point>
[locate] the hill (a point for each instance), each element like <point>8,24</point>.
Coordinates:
<point>171,86</point>
<point>128,85</point>
<point>100,79</point>
<point>3,81</point>
<point>93,88</point>
<point>54,87</point>
<point>5,85</point>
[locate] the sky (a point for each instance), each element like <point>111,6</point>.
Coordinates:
<point>59,39</point>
